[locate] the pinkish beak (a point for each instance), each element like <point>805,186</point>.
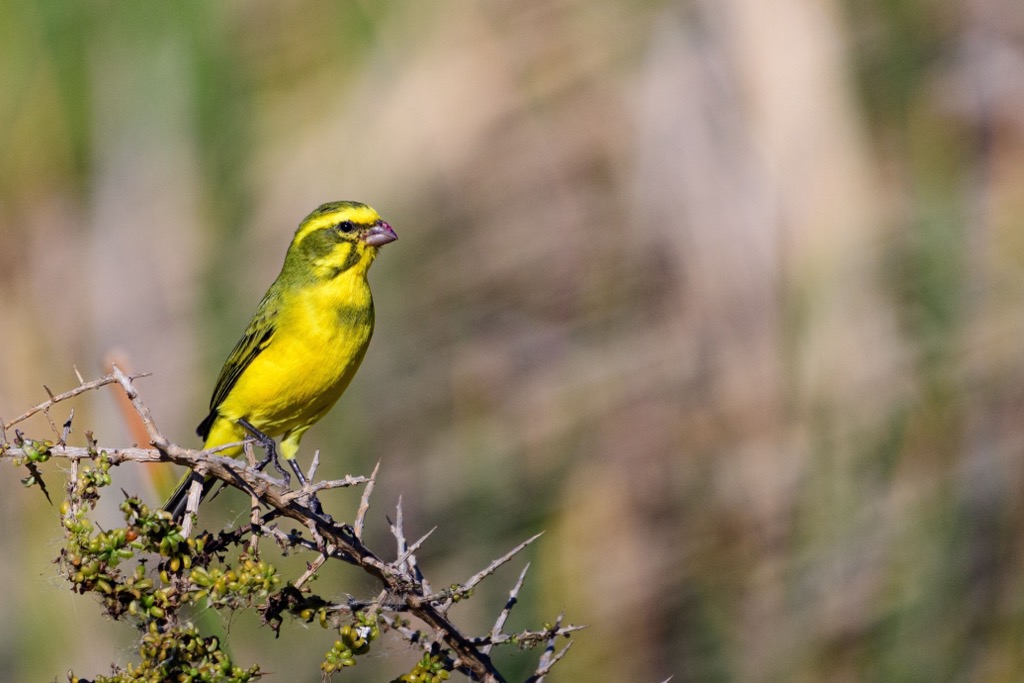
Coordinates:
<point>379,235</point>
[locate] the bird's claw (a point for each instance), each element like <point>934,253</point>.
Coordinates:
<point>284,474</point>
<point>271,449</point>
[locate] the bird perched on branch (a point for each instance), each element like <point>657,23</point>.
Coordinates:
<point>303,345</point>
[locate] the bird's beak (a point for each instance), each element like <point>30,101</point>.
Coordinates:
<point>379,235</point>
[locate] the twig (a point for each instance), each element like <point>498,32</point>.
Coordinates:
<point>549,662</point>
<point>364,502</point>
<point>528,638</point>
<point>76,453</point>
<point>313,567</point>
<point>549,658</point>
<point>156,438</point>
<point>195,492</point>
<point>325,485</point>
<point>254,504</point>
<point>286,540</point>
<point>409,557</point>
<point>66,432</point>
<point>513,598</point>
<point>490,569</point>
<point>46,414</point>
<point>80,389</point>
<point>406,561</point>
<point>399,533</point>
<point>313,465</point>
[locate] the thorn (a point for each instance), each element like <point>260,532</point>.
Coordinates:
<point>314,465</point>
<point>407,556</point>
<point>67,429</point>
<point>513,598</point>
<point>364,503</point>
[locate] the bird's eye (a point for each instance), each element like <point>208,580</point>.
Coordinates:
<point>346,226</point>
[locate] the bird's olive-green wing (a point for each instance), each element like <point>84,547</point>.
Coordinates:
<point>256,338</point>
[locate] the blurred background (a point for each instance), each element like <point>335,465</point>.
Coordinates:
<point>724,295</point>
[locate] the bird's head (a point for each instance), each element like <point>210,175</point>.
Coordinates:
<point>337,237</point>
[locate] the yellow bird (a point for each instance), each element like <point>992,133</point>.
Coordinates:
<point>303,345</point>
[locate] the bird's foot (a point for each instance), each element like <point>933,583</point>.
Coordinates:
<point>271,449</point>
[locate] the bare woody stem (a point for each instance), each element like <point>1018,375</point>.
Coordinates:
<point>338,541</point>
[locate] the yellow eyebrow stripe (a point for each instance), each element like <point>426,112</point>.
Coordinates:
<point>360,214</point>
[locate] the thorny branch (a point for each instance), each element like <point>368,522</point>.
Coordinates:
<point>404,588</point>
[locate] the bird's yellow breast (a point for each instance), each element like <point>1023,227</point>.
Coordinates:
<point>321,335</point>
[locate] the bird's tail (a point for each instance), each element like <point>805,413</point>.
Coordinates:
<point>176,503</point>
